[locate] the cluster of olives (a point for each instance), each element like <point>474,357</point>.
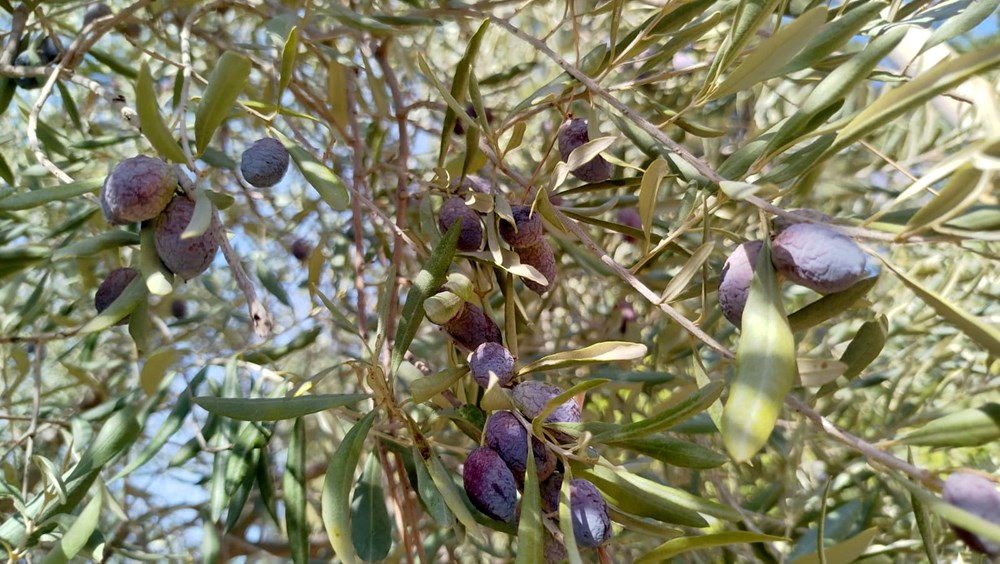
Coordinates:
<point>809,254</point>
<point>145,189</point>
<point>495,472</point>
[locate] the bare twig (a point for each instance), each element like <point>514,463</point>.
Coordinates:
<point>864,447</point>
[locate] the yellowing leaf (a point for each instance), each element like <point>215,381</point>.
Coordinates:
<point>601,352</point>
<point>765,366</point>
<point>648,189</point>
<point>154,369</point>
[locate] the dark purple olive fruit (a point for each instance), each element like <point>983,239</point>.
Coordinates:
<point>549,489</point>
<point>541,257</point>
<point>979,496</point>
<point>493,358</point>
<point>553,549</point>
<point>186,258</point>
<point>43,54</point>
<point>527,230</point>
<point>137,189</point>
<point>591,520</point>
<point>301,249</point>
<point>48,51</point>
<point>178,308</point>
<point>505,435</point>
<point>531,396</point>
<point>572,134</point>
<point>95,12</point>
<point>818,257</point>
<point>734,283</point>
<point>112,287</point>
<point>264,163</point>
<point>629,217</point>
<point>471,111</point>
<point>490,484</point>
<point>475,183</point>
<point>780,223</point>
<point>471,327</point>
<point>453,209</point>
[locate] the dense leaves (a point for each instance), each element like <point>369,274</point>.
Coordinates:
<point>302,405</point>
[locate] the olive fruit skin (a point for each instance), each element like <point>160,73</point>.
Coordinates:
<point>94,12</point>
<point>471,327</point>
<point>591,520</point>
<point>527,230</point>
<point>186,258</point>
<point>509,439</point>
<point>492,357</point>
<point>453,209</point>
<point>630,217</point>
<point>734,283</point>
<point>541,257</point>
<point>45,53</point>
<point>301,249</point>
<point>572,134</point>
<point>490,484</point>
<point>978,496</point>
<point>112,287</point>
<point>818,257</point>
<point>553,549</point>
<point>139,188</point>
<point>475,183</point>
<point>781,223</point>
<point>472,113</point>
<point>178,308</point>
<point>549,489</point>
<point>531,396</point>
<point>264,163</point>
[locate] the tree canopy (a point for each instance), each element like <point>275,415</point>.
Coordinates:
<point>725,268</point>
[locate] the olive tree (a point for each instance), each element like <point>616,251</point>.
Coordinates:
<point>293,280</point>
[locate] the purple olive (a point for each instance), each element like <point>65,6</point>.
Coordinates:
<point>186,258</point>
<point>490,484</point>
<point>264,163</point>
<point>979,496</point>
<point>541,257</point>
<point>818,257</point>
<point>138,189</point>
<point>530,398</point>
<point>493,358</point>
<point>112,287</point>
<point>454,209</point>
<point>573,134</point>
<point>549,489</point>
<point>505,435</point>
<point>734,283</point>
<point>527,228</point>
<point>471,327</point>
<point>591,520</point>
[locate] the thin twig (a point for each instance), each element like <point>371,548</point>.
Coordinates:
<point>359,184</point>
<point>259,315</point>
<point>862,446</point>
<point>402,180</point>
